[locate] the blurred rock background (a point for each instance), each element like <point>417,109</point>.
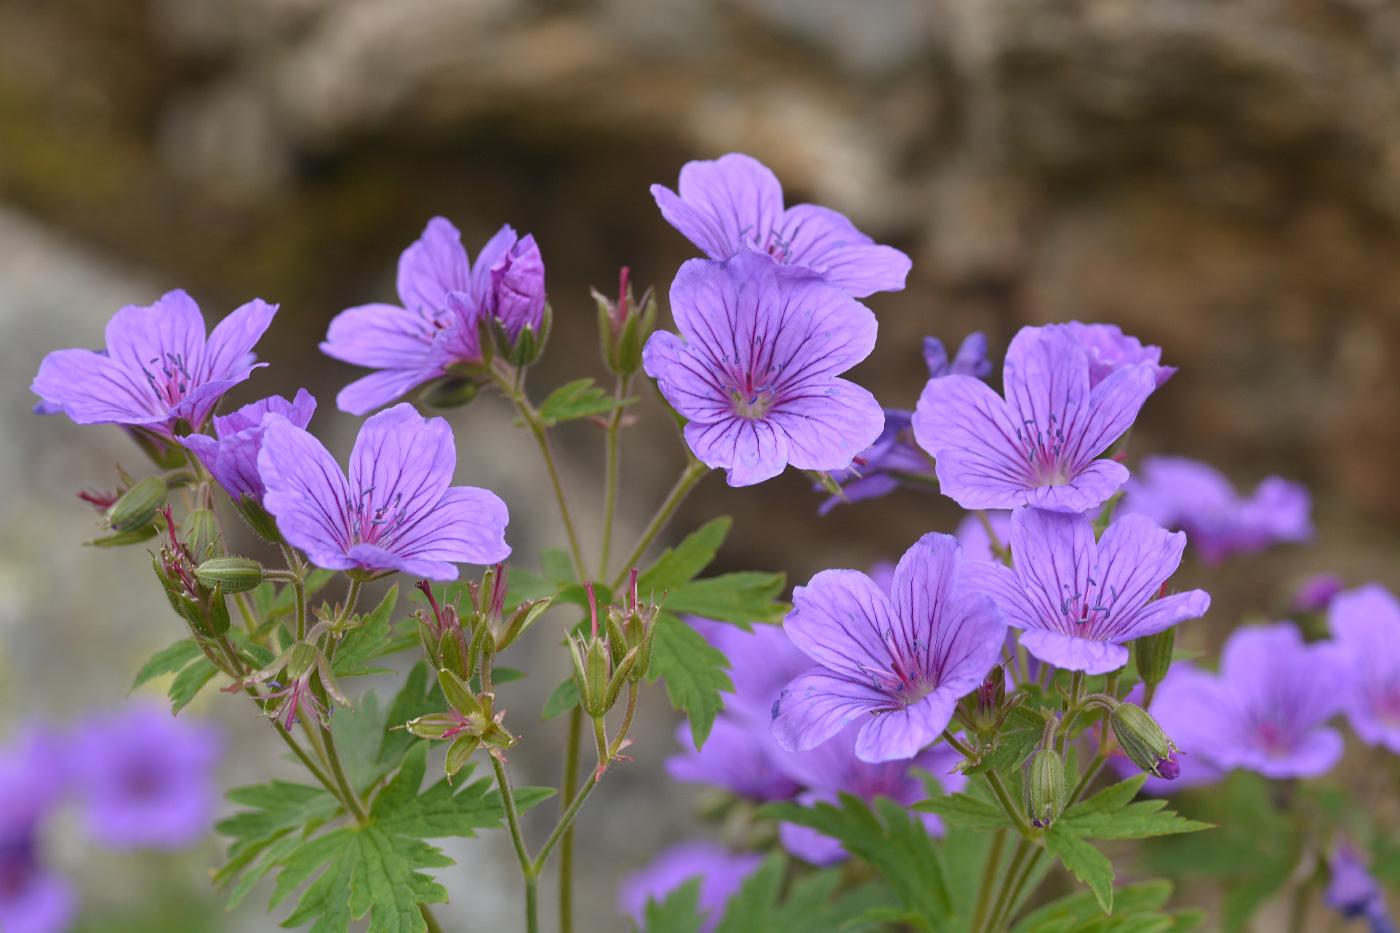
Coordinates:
<point>1220,177</point>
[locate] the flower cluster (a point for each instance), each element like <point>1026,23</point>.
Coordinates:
<point>140,780</point>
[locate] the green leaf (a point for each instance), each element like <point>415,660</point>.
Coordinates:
<point>1015,742</point>
<point>1104,817</point>
<point>269,831</point>
<point>740,598</point>
<point>893,843</point>
<point>189,682</point>
<point>964,810</point>
<point>372,639</point>
<point>1087,863</point>
<point>1137,908</point>
<point>684,562</point>
<point>169,661</point>
<point>694,671</point>
<point>678,913</point>
<point>563,699</point>
<point>557,565</point>
<point>578,399</point>
<point>810,906</point>
<point>419,696</point>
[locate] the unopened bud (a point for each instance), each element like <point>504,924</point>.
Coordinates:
<point>624,326</point>
<point>1144,741</point>
<point>200,532</point>
<point>527,345</point>
<point>258,519</point>
<point>1046,789</point>
<point>450,392</point>
<point>138,506</point>
<point>234,574</point>
<point>597,669</point>
<point>1154,656</point>
<point>984,705</point>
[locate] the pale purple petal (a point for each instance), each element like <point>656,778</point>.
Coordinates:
<point>820,239</point>
<point>818,704</point>
<point>1093,485</point>
<point>232,458</point>
<point>1113,407</point>
<point>761,663</point>
<point>1366,622</point>
<point>1314,754</point>
<point>725,205</point>
<point>466,526</point>
<point>41,903</point>
<point>720,871</point>
<point>137,336</point>
<point>1074,654</point>
<point>233,338</point>
<point>517,282</point>
<point>737,756</point>
<point>976,543</point>
<point>386,337</point>
<point>1110,349</point>
<point>435,264</point>
<point>972,434</point>
<point>839,620</point>
<point>378,389</point>
<point>686,379</point>
<point>1004,587</point>
<point>902,733</point>
<point>402,463</point>
<point>750,450</point>
<point>828,423</point>
<point>481,279</point>
<point>1135,556</point>
<point>307,493</point>
<point>1054,556</point>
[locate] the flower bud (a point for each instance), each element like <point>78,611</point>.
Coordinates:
<point>526,346</point>
<point>1144,742</point>
<point>1154,655</point>
<point>624,326</point>
<point>233,574</point>
<point>984,704</point>
<point>201,532</point>
<point>519,313</point>
<point>450,392</point>
<point>138,506</point>
<point>258,519</point>
<point>1046,789</point>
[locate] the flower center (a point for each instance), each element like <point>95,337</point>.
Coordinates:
<point>171,378</point>
<point>371,525</point>
<point>1042,449</point>
<point>1086,612</point>
<point>906,679</point>
<point>750,395</point>
<point>774,243</point>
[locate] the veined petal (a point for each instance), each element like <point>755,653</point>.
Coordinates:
<point>401,465</point>
<point>901,733</point>
<point>1004,587</point>
<point>814,329</point>
<point>380,388</point>
<point>307,493</point>
<point>1074,654</point>
<point>1314,754</point>
<point>495,248</point>
<point>828,423</point>
<point>1054,553</point>
<point>750,449</point>
<point>961,414</point>
<point>1113,407</point>
<point>967,642</point>
<point>1161,614</point>
<point>1046,378</point>
<point>817,705</point>
<point>233,339</point>
<point>1090,487</point>
<point>435,264</point>
<point>823,240</point>
<point>839,619</point>
<point>724,205</point>
<point>383,336</point>
<point>92,388</point>
<point>141,337</point>
<point>1135,556</point>
<point>466,526</point>
<point>199,404</point>
<point>686,379</point>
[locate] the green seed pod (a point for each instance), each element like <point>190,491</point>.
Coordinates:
<point>1154,655</point>
<point>138,505</point>
<point>1046,789</point>
<point>597,667</point>
<point>234,574</point>
<point>1144,741</point>
<point>201,531</point>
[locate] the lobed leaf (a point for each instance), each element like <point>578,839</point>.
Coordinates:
<point>683,563</point>
<point>739,598</point>
<point>694,671</point>
<point>578,399</point>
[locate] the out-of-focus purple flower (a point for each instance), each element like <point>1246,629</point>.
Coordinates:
<point>1110,349</point>
<point>32,899</point>
<point>833,768</point>
<point>394,512</point>
<point>900,662</point>
<point>1316,592</point>
<point>741,755</point>
<point>1198,499</point>
<point>1077,601</point>
<point>970,361</point>
<point>893,460</point>
<point>976,543</point>
<point>757,375</point>
<point>146,779</point>
<point>1366,623</point>
<point>720,871</point>
<point>159,370</point>
<point>735,203</point>
<point>1038,445</point>
<point>1181,708</point>
<point>232,455</point>
<point>436,330</point>
<point>1265,712</point>
<point>1354,893</point>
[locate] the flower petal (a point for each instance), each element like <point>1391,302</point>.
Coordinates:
<point>1135,556</point>
<point>817,705</point>
<point>1054,554</point>
<point>1113,407</point>
<point>1074,654</point>
<point>1089,488</point>
<point>823,240</point>
<point>306,493</point>
<point>750,449</point>
<point>686,379</point>
<point>140,337</point>
<point>92,388</point>
<point>378,389</point>
<point>402,464</point>
<point>839,620</point>
<point>383,337</point>
<point>724,205</point>
<point>227,353</point>
<point>828,423</point>
<point>972,433</point>
<point>901,733</point>
<point>434,265</point>
<point>466,526</point>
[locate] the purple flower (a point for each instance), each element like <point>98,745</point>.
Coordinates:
<point>741,755</point>
<point>435,331</point>
<point>735,204</point>
<point>970,361</point>
<point>158,371</point>
<point>880,469</point>
<point>720,871</point>
<point>395,511</point>
<point>146,778</point>
<point>900,662</point>
<point>1366,623</point>
<point>1316,592</point>
<point>1077,601</point>
<point>32,899</point>
<point>1038,446</point>
<point>976,543</point>
<point>1354,893</point>
<point>1182,707</point>
<point>1110,350</point>
<point>1198,499</point>
<point>833,768</point>
<point>232,458</point>
<point>757,372</point>
<point>1265,712</point>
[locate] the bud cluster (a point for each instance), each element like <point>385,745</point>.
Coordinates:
<point>605,663</point>
<point>193,598</point>
<point>624,326</point>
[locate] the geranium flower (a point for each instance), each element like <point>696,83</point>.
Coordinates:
<point>436,329</point>
<point>900,663</point>
<point>33,899</point>
<point>158,373</point>
<point>1077,601</point>
<point>1198,499</point>
<point>395,511</point>
<point>721,873</point>
<point>1110,350</point>
<point>735,203</point>
<point>231,456</point>
<point>757,374</point>
<point>1038,445</point>
<point>1366,623</point>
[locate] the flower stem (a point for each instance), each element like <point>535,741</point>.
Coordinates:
<point>988,922</point>
<point>1012,888</point>
<point>527,865</point>
<point>349,795</point>
<point>989,873</point>
<point>298,588</point>
<point>632,690</point>
<point>694,470</point>
<point>566,824</point>
<point>998,549</point>
<point>611,472</point>
<point>566,846</point>
<point>1013,812</point>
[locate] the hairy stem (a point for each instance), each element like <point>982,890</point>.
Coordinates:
<point>350,795</point>
<point>1003,915</point>
<point>610,475</point>
<point>566,797</point>
<point>522,854</point>
<point>694,470</point>
<point>566,824</point>
<point>999,905</point>
<point>1013,812</point>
